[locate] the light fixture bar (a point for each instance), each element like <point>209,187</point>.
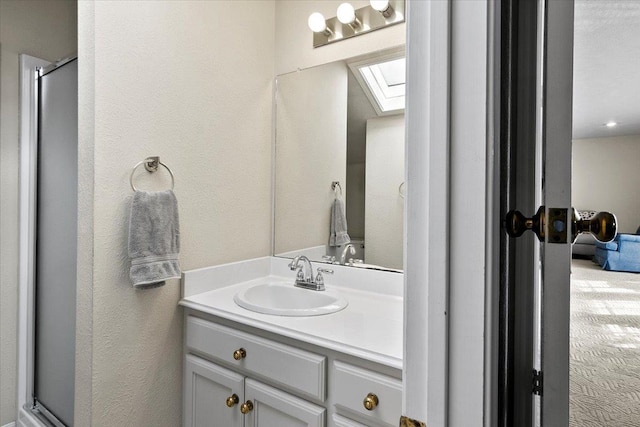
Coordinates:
<point>368,19</point>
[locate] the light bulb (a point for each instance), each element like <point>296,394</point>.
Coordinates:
<point>611,124</point>
<point>346,13</point>
<point>383,7</point>
<point>380,5</point>
<point>317,23</point>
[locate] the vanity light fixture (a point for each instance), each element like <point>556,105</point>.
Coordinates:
<point>351,22</point>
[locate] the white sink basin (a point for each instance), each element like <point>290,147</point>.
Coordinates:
<point>284,299</point>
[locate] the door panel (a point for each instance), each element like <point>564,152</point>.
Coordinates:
<point>56,239</point>
<point>537,136</point>
<point>206,389</point>
<point>556,258</point>
<point>520,175</point>
<point>272,407</point>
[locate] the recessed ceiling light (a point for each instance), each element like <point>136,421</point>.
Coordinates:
<point>611,124</point>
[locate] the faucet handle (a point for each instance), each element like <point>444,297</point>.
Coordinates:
<point>320,278</point>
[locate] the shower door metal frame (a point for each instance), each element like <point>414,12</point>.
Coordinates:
<point>26,275</point>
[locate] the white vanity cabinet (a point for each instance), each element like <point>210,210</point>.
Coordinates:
<point>236,376</point>
<point>217,397</point>
<point>272,407</point>
<point>207,387</point>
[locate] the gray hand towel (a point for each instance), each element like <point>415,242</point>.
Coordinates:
<point>154,238</point>
<point>338,226</point>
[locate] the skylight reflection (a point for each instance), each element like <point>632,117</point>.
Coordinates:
<point>383,83</point>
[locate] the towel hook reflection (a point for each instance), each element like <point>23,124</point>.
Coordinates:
<point>335,184</point>
<point>151,165</point>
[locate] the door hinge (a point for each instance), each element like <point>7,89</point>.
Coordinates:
<point>537,383</point>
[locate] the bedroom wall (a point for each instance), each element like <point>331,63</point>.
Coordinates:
<point>606,176</point>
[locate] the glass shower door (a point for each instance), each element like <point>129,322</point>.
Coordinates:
<point>56,242</point>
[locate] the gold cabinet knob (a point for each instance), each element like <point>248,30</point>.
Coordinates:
<point>370,402</point>
<point>232,400</point>
<point>240,354</point>
<point>246,407</point>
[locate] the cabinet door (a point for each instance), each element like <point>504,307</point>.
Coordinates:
<point>272,407</point>
<point>206,390</point>
<point>339,421</point>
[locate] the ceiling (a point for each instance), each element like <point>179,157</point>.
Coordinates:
<point>606,84</point>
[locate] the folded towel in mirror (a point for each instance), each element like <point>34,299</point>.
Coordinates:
<point>154,238</point>
<point>338,228</point>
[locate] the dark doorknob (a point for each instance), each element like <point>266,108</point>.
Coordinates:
<point>602,225</point>
<point>516,223</point>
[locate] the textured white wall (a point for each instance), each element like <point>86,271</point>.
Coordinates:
<point>606,178</point>
<point>311,152</point>
<point>185,81</point>
<point>294,39</point>
<point>84,290</point>
<point>384,213</point>
<point>44,29</point>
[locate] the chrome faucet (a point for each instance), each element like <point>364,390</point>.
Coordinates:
<point>305,271</point>
<point>352,250</point>
<point>304,276</point>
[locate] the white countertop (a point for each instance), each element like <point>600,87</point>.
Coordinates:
<point>370,327</point>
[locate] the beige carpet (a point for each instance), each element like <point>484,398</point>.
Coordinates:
<point>605,347</point>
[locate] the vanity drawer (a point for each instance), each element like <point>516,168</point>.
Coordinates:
<point>351,385</point>
<point>289,366</point>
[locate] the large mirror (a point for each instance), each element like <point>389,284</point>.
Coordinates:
<point>339,162</point>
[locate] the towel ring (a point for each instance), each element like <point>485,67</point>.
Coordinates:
<point>335,184</point>
<point>151,165</point>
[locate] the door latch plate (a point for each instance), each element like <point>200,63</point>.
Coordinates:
<point>537,382</point>
<point>557,225</point>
